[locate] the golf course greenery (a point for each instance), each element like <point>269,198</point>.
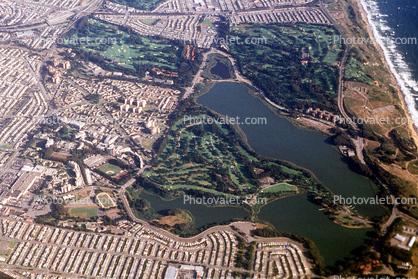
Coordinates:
<point>147,5</point>
<point>116,48</point>
<point>295,64</point>
<point>205,156</point>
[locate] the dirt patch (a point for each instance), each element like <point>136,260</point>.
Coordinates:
<point>398,171</point>
<point>413,167</point>
<point>5,247</point>
<point>310,123</point>
<point>261,226</point>
<point>371,145</point>
<point>180,217</point>
<point>60,156</point>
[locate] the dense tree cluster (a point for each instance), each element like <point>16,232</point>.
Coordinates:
<point>404,144</point>
<point>147,5</point>
<point>285,79</point>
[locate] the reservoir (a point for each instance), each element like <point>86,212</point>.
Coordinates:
<point>220,70</point>
<point>298,215</point>
<point>203,215</point>
<point>280,139</point>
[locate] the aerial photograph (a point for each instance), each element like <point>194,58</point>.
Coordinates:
<point>200,139</point>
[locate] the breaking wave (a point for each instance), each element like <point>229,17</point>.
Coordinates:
<point>384,36</point>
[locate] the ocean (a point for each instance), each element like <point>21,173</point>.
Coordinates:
<point>395,27</point>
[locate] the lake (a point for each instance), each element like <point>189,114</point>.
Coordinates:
<point>278,138</point>
<point>221,70</point>
<point>203,215</point>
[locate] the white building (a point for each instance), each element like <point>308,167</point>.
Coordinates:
<point>399,237</point>
<point>66,188</point>
<point>88,177</point>
<point>171,273</point>
<point>79,181</point>
<point>411,241</point>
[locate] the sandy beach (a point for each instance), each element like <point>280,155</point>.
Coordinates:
<point>411,126</point>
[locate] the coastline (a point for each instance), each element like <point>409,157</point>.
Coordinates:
<point>394,80</point>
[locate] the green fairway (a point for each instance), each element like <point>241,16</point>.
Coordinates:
<point>291,171</point>
<point>116,48</point>
<point>199,157</point>
<point>123,48</point>
<point>294,65</point>
<point>355,71</point>
<point>281,187</point>
<point>110,169</point>
<point>147,5</point>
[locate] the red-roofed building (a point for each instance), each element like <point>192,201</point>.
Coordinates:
<point>113,213</point>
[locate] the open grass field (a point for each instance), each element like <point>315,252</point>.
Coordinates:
<point>6,146</point>
<point>281,187</point>
<point>298,62</point>
<point>83,212</point>
<point>149,21</point>
<point>290,171</point>
<point>110,169</point>
<point>148,143</point>
<point>82,194</point>
<point>129,54</point>
<point>105,200</point>
<point>207,22</point>
<point>6,247</point>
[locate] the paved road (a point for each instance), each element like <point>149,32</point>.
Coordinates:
<point>359,142</point>
<point>80,11</point>
<point>83,11</point>
<point>196,78</point>
<point>40,85</point>
<point>7,166</point>
<point>96,4</point>
<point>100,251</point>
<point>175,238</point>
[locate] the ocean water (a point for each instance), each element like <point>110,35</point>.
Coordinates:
<point>395,26</point>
